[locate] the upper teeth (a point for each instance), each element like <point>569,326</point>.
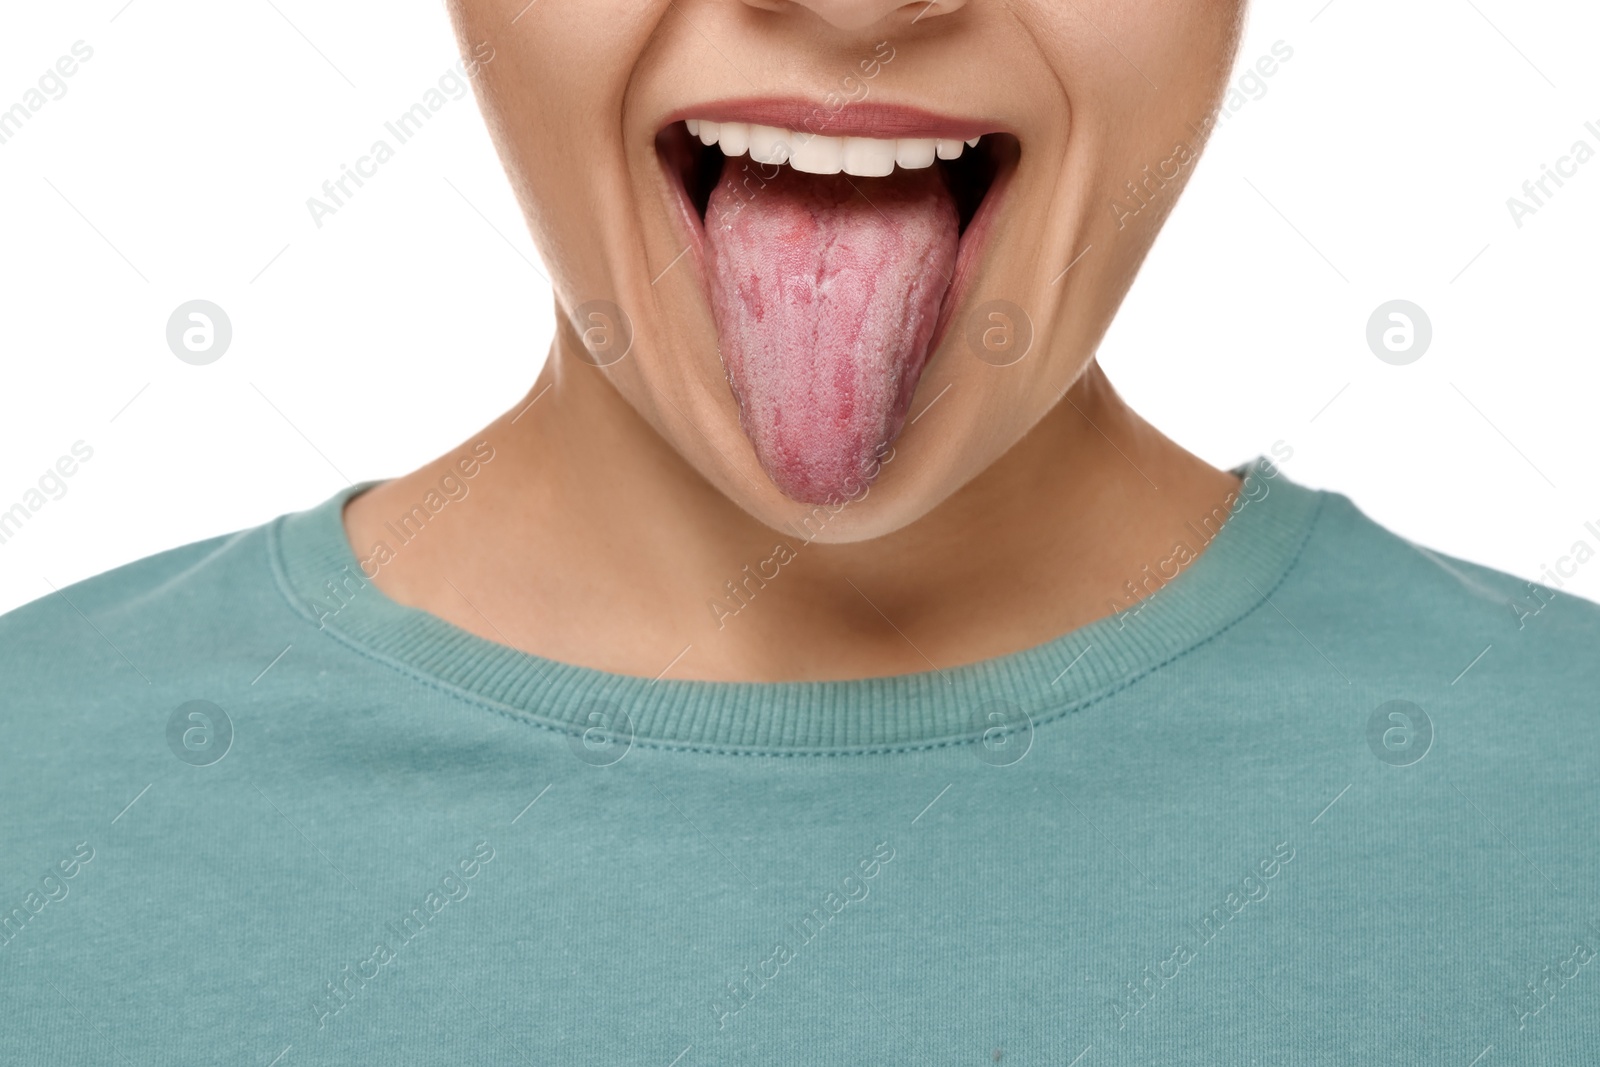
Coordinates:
<point>866,157</point>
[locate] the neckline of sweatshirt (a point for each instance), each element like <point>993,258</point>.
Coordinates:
<point>1226,566</point>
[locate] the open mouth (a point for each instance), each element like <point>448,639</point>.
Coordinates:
<point>833,262</point>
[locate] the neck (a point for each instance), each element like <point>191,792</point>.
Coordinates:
<point>586,539</point>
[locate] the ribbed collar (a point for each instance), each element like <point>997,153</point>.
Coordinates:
<point>1240,565</point>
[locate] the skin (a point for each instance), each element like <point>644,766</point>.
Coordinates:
<point>624,498</point>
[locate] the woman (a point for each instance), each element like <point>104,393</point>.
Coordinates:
<point>820,664</point>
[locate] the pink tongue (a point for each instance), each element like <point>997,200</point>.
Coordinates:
<point>825,299</point>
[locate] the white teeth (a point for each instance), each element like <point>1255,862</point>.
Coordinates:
<point>768,144</point>
<point>735,138</point>
<point>818,155</point>
<point>914,153</point>
<point>866,157</point>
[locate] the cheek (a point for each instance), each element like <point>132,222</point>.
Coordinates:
<point>1184,49</point>
<point>552,95</point>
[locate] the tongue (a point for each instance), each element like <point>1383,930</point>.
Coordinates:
<point>825,291</point>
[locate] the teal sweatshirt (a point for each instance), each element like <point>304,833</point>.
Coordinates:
<point>1311,795</point>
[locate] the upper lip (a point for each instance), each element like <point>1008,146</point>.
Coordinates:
<point>860,118</point>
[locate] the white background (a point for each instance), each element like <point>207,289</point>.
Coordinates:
<point>177,166</point>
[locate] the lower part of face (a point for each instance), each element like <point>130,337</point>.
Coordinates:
<point>844,251</point>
